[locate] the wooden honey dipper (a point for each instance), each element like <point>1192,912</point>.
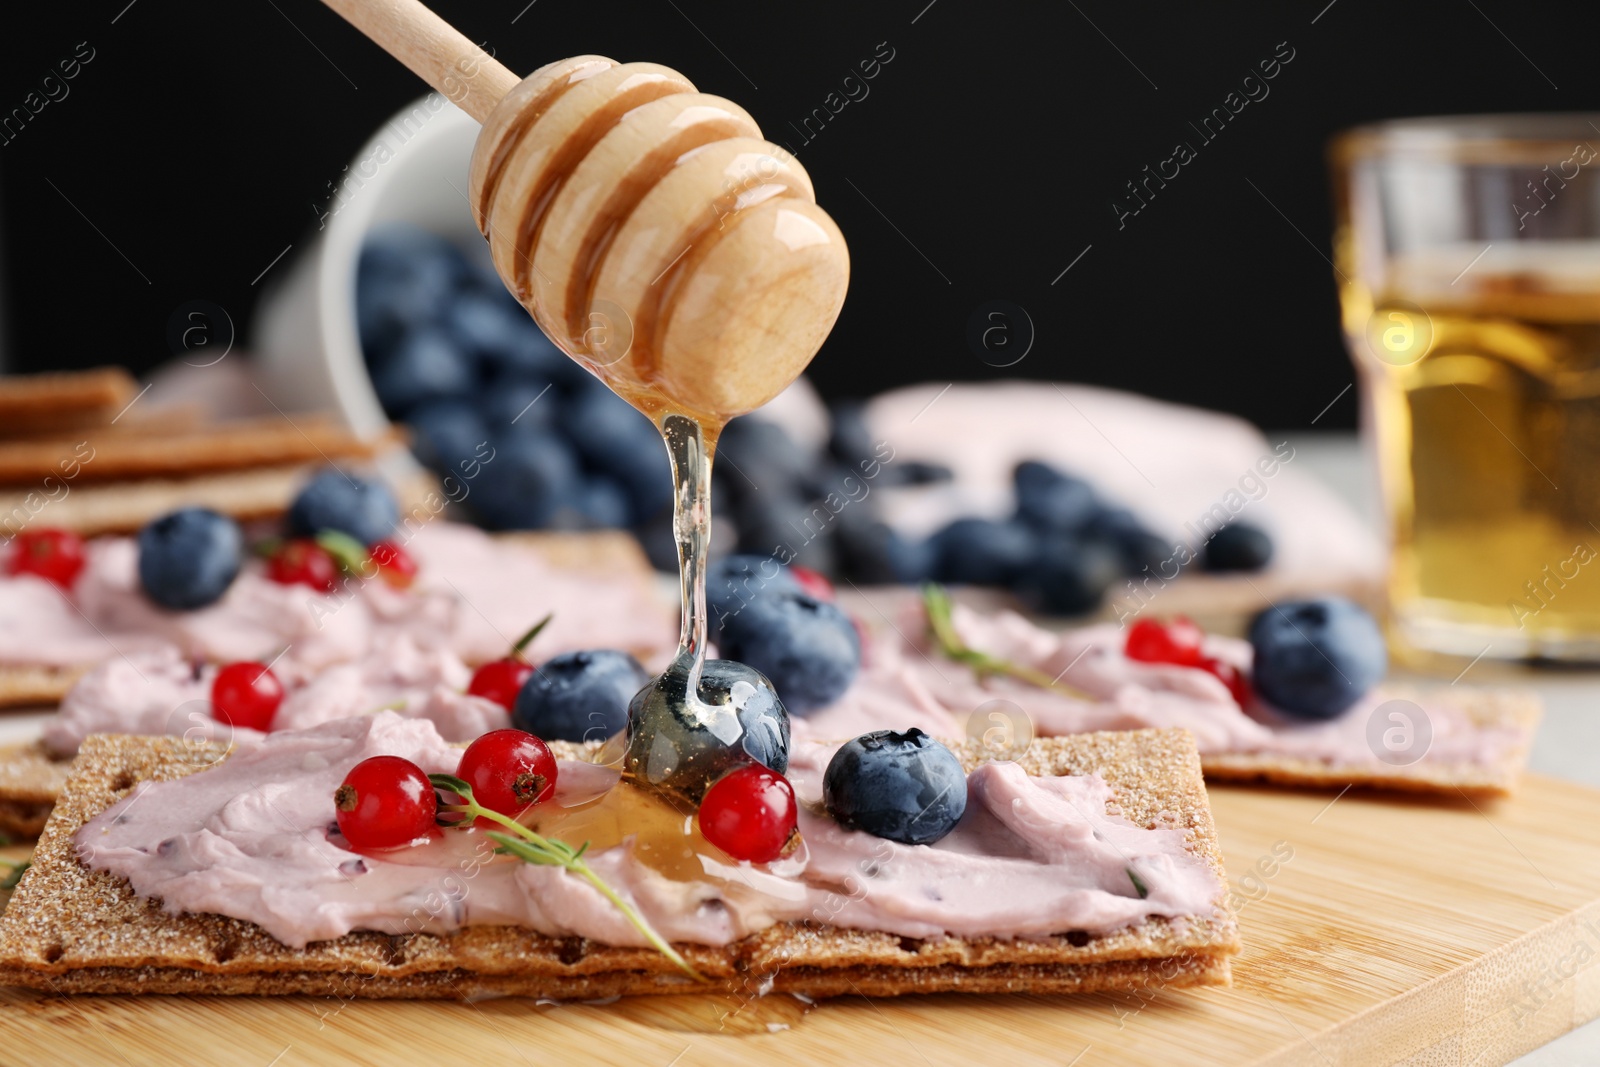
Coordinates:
<point>647,227</point>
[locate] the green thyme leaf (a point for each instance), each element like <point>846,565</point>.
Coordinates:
<point>347,552</point>
<point>527,639</point>
<point>1138,884</point>
<point>452,784</point>
<point>936,601</point>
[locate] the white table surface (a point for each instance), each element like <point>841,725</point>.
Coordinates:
<point>1568,742</point>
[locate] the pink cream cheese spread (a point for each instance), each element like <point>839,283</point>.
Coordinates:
<point>160,692</point>
<point>903,683</point>
<point>250,838</point>
<point>473,596</point>
<point>909,683</point>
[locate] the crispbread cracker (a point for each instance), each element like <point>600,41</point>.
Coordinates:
<point>30,781</point>
<point>25,685</point>
<point>190,450</point>
<point>91,509</point>
<point>54,401</point>
<point>1512,709</point>
<point>67,929</point>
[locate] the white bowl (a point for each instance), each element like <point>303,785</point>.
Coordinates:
<point>307,349</point>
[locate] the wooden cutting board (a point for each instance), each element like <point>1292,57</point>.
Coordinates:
<point>1379,930</point>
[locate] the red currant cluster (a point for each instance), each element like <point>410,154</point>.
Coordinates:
<point>1178,642</point>
<point>305,561</point>
<point>55,555</point>
<point>387,801</point>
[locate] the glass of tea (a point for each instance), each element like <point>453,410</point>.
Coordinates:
<point>1468,256</point>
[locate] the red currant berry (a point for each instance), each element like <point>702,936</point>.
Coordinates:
<point>1233,678</point>
<point>811,583</point>
<point>1177,642</point>
<point>395,565</point>
<point>750,814</point>
<point>304,562</point>
<point>385,802</point>
<point>509,771</point>
<point>246,694</point>
<point>500,681</point>
<point>56,555</point>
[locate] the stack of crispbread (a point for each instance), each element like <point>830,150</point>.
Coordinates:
<point>78,452</point>
<point>70,930</point>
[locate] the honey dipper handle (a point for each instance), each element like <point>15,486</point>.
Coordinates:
<point>465,74</point>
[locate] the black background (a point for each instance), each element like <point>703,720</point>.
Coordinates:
<point>200,137</point>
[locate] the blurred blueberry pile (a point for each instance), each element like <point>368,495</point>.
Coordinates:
<point>1060,551</point>
<point>458,360</point>
<point>454,356</point>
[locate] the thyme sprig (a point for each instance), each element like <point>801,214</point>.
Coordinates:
<point>531,847</point>
<point>936,601</point>
<point>351,555</point>
<point>519,649</point>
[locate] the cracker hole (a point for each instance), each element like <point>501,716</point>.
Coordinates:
<point>1077,938</point>
<point>573,950</point>
<point>394,950</point>
<point>911,945</point>
<point>54,951</point>
<point>225,951</point>
<point>123,780</point>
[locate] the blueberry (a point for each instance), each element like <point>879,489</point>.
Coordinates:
<point>425,365</point>
<point>660,543</point>
<point>1051,500</point>
<point>1238,546</point>
<point>527,481</point>
<point>872,552</point>
<point>683,750</point>
<point>905,787</point>
<point>808,648</point>
<point>333,500</point>
<point>914,558</point>
<point>1071,576</point>
<point>189,558</point>
<point>762,454</point>
<point>1143,552</point>
<point>486,326</point>
<point>595,503</point>
<point>1316,658</point>
<point>778,520</point>
<point>446,432</point>
<point>918,472</point>
<point>616,439</point>
<point>524,349</point>
<point>733,582</point>
<point>1113,524</point>
<point>975,551</point>
<point>406,278</point>
<point>520,404</point>
<point>579,696</point>
<point>850,440</point>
